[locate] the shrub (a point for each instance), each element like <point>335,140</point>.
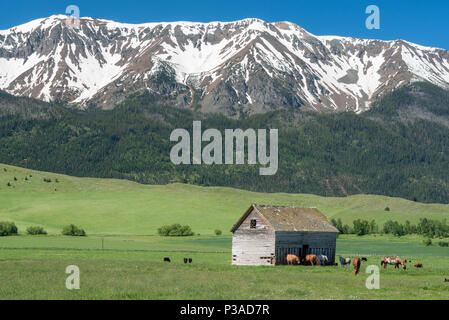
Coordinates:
<point>443,244</point>
<point>9,184</point>
<point>218,232</point>
<point>36,230</point>
<point>342,228</point>
<point>7,228</point>
<point>175,230</point>
<point>362,227</point>
<point>427,242</point>
<point>387,208</point>
<point>72,230</point>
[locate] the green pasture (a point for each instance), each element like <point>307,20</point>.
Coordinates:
<point>40,274</point>
<point>122,256</point>
<point>120,207</point>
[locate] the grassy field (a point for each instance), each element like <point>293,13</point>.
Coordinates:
<point>119,207</point>
<point>40,274</point>
<point>122,257</point>
<point>132,267</point>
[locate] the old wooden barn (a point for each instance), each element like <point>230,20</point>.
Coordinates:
<point>264,235</point>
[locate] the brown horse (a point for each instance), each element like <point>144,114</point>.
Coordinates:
<point>394,261</point>
<point>418,265</point>
<point>291,258</point>
<point>356,263</point>
<point>312,260</point>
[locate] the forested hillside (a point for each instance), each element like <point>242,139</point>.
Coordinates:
<point>399,148</point>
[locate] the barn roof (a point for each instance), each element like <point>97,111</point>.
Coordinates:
<point>281,218</point>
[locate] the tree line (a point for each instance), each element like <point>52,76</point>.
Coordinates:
<point>426,227</point>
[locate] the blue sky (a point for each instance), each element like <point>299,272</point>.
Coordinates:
<point>423,22</point>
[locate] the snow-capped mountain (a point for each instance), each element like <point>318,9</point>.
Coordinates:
<point>248,66</point>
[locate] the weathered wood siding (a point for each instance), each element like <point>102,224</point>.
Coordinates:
<point>294,242</point>
<point>253,246</point>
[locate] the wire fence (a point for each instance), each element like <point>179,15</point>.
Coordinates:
<point>117,243</point>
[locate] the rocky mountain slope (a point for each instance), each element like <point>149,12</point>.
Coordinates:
<point>234,68</point>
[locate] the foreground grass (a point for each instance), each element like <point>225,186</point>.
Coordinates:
<point>117,274</point>
<point>40,274</point>
<point>107,206</point>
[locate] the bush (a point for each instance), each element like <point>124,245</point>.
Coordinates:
<point>175,230</point>
<point>342,228</point>
<point>72,230</point>
<point>443,244</point>
<point>218,232</point>
<point>36,231</point>
<point>427,242</point>
<point>387,208</point>
<point>7,228</point>
<point>362,227</point>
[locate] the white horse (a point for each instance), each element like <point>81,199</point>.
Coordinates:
<point>344,261</point>
<point>324,260</point>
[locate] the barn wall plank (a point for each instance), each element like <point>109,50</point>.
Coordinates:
<point>253,246</point>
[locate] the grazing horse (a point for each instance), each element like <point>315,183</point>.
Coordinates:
<point>323,259</point>
<point>291,258</point>
<point>401,262</point>
<point>312,260</point>
<point>418,265</point>
<point>393,261</point>
<point>344,261</point>
<point>356,263</point>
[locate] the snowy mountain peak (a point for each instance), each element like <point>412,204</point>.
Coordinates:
<point>248,66</point>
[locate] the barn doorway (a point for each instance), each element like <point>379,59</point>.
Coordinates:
<point>305,250</point>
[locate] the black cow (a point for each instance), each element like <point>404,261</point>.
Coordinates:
<point>167,259</point>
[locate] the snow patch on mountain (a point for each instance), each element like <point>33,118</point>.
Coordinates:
<point>48,59</point>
